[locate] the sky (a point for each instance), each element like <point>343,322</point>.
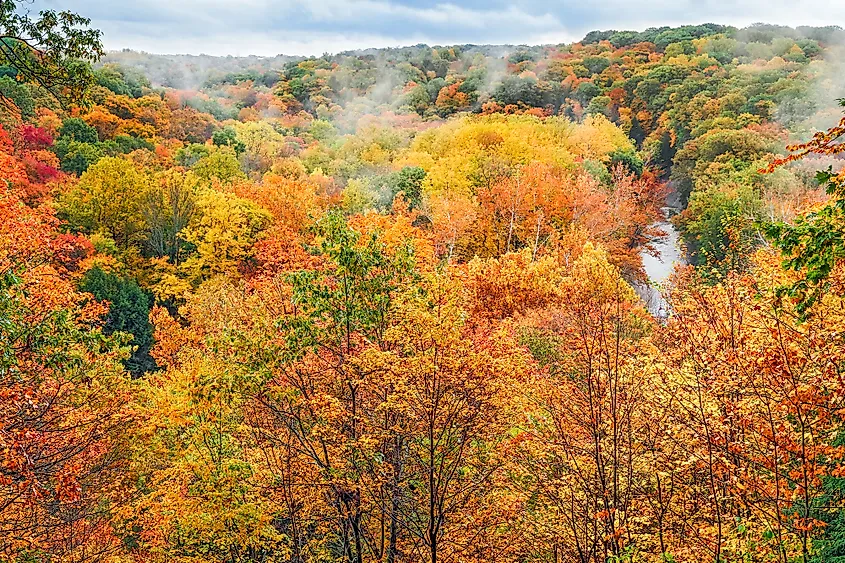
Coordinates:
<point>314,27</point>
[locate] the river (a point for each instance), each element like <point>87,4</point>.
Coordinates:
<point>658,268</point>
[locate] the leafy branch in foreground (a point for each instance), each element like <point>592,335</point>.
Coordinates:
<point>815,242</point>
<point>53,50</point>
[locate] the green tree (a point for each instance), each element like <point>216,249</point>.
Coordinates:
<point>830,546</point>
<point>76,157</point>
<point>815,243</point>
<point>417,99</point>
<point>74,129</point>
<point>188,156</point>
<point>338,309</point>
<point>227,137</point>
<point>78,147</point>
<point>596,65</point>
<point>19,94</point>
<point>409,183</point>
<point>127,144</point>
<point>629,159</point>
<point>109,77</point>
<point>719,227</point>
<point>53,50</point>
<point>129,312</point>
<point>585,92</point>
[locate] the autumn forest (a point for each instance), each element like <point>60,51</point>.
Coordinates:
<point>392,305</point>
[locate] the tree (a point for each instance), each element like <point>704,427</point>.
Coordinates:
<point>108,199</point>
<point>105,123</point>
<point>319,389</point>
<point>77,147</point>
<point>831,545</point>
<point>443,403</point>
<point>815,243</point>
<point>718,226</point>
<point>227,137</point>
<point>763,410</point>
<point>110,77</point>
<point>191,126</point>
<point>222,231</point>
<point>581,448</point>
<point>220,165</point>
<point>77,157</point>
<point>18,95</point>
<point>52,51</point>
<point>128,313</point>
<point>76,129</point>
<point>63,421</point>
<point>203,497</point>
<point>168,209</point>
<point>409,182</point>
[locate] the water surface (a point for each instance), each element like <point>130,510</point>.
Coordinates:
<point>659,268</point>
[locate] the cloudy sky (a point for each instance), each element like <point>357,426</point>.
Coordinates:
<point>312,27</point>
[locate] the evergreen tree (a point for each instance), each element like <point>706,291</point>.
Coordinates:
<point>129,311</point>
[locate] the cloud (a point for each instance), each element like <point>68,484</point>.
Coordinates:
<point>295,27</point>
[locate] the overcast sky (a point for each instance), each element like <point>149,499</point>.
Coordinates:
<point>312,27</point>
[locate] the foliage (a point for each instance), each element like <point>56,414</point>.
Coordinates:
<point>227,137</point>
<point>382,306</point>
<point>223,232</point>
<point>128,312</point>
<point>107,199</point>
<point>51,51</point>
<point>814,243</point>
<point>75,129</point>
<point>63,417</point>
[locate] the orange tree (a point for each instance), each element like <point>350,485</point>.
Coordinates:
<point>62,397</point>
<point>815,242</point>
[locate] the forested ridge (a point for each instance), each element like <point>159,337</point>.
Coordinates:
<point>381,306</point>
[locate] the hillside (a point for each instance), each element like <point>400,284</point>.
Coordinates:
<point>382,305</point>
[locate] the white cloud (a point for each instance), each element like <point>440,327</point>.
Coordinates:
<point>257,43</point>
<point>269,27</point>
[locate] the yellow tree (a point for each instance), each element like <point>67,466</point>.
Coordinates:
<point>444,407</point>
<point>223,230</point>
<point>202,497</point>
<point>763,399</point>
<point>107,199</point>
<point>581,457</point>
